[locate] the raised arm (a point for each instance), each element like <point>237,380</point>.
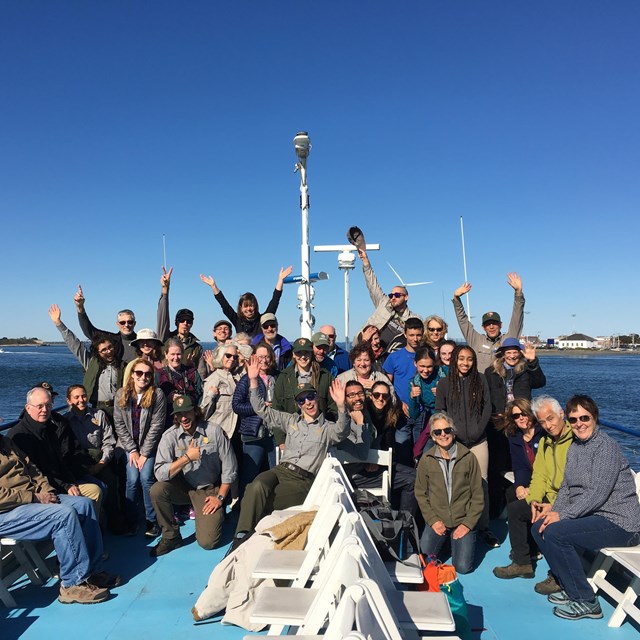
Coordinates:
<point>376,292</point>
<point>272,307</point>
<point>464,323</point>
<point>163,305</point>
<point>76,347</point>
<point>227,309</point>
<point>517,315</point>
<point>83,319</point>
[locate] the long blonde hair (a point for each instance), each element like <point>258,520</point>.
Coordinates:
<point>129,390</point>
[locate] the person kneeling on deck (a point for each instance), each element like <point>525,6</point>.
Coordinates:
<point>308,436</point>
<point>31,510</point>
<point>195,465</point>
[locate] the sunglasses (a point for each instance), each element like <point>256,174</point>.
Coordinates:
<point>379,395</point>
<point>303,354</point>
<point>574,419</point>
<point>270,325</point>
<point>331,336</point>
<point>185,321</point>
<point>129,323</point>
<point>230,356</point>
<point>439,432</point>
<point>515,415</point>
<point>435,329</point>
<point>396,295</point>
<point>143,374</point>
<point>310,396</point>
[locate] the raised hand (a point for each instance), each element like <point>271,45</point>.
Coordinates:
<point>362,254</point>
<point>78,298</point>
<point>54,314</point>
<point>416,391</point>
<point>515,281</point>
<point>463,289</point>
<point>529,351</point>
<point>285,273</point>
<point>165,279</point>
<point>338,393</point>
<point>208,280</point>
<point>368,333</point>
<point>253,367</point>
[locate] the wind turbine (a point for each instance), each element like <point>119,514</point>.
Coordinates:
<point>407,284</point>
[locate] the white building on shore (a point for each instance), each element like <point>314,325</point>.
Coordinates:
<point>577,341</point>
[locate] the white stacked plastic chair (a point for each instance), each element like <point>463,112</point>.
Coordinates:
<point>629,559</point>
<point>30,563</point>
<point>375,456</point>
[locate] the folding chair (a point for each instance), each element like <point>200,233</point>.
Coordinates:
<point>30,563</point>
<point>375,456</point>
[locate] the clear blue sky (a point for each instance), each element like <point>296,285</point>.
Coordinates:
<point>124,120</point>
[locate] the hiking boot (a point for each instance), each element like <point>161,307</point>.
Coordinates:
<point>165,546</point>
<point>573,610</point>
<point>194,613</point>
<point>153,530</point>
<point>83,593</point>
<point>489,538</point>
<point>547,586</point>
<point>514,570</point>
<point>104,580</point>
<point>559,598</point>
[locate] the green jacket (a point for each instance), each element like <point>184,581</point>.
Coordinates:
<point>548,467</point>
<point>467,498</point>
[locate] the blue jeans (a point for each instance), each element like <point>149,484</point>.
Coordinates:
<point>71,525</point>
<point>254,455</point>
<point>135,479</point>
<point>561,541</point>
<point>463,550</point>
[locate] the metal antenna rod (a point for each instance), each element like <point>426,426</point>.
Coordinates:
<point>464,263</point>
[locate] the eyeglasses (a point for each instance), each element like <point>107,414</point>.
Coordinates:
<point>438,432</point>
<point>264,358</point>
<point>355,394</point>
<point>129,323</point>
<point>515,415</point>
<point>143,374</point>
<point>231,356</point>
<point>270,325</point>
<point>574,419</point>
<point>397,295</point>
<point>435,329</point>
<point>310,396</point>
<point>42,407</point>
<point>379,395</point>
<point>105,349</point>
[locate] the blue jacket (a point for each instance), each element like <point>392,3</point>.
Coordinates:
<point>522,470</point>
<point>341,358</point>
<point>250,422</point>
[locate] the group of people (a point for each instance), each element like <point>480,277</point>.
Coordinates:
<point>159,425</point>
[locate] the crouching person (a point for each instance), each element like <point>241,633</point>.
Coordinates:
<point>449,494</point>
<point>195,465</point>
<point>30,509</point>
<point>308,436</point>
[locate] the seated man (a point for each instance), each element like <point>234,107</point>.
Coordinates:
<point>308,436</point>
<point>195,465</point>
<point>30,509</point>
<point>51,449</point>
<point>282,348</point>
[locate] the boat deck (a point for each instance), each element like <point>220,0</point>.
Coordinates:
<point>157,594</point>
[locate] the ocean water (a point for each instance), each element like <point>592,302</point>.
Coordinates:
<point>612,381</point>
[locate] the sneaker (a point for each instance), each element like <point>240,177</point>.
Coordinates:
<point>104,580</point>
<point>514,571</point>
<point>194,613</point>
<point>547,586</point>
<point>153,530</point>
<point>83,593</point>
<point>165,546</point>
<point>559,598</point>
<point>573,610</point>
<point>489,538</point>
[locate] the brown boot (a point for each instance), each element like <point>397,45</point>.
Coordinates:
<point>514,571</point>
<point>83,593</point>
<point>547,586</point>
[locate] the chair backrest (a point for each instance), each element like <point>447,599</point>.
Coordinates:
<point>374,456</point>
<point>374,614</point>
<point>636,478</point>
<point>329,472</point>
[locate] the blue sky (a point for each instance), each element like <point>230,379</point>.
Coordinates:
<point>124,121</point>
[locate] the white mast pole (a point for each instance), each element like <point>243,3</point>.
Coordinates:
<point>464,263</point>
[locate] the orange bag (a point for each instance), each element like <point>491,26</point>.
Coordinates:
<point>435,573</point>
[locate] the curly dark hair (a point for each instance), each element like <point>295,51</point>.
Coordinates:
<point>476,388</point>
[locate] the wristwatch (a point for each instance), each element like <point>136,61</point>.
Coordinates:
<point>221,497</point>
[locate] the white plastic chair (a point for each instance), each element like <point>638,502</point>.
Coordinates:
<point>375,456</point>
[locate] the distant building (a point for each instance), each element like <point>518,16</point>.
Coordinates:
<point>577,341</point>
<point>604,342</point>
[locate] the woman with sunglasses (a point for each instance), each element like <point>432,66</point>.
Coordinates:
<point>449,494</point>
<point>176,378</point>
<point>258,449</point>
<point>464,395</point>
<point>219,387</point>
<point>435,333</point>
<point>246,318</point>
<point>363,361</point>
<point>139,417</point>
<point>596,507</point>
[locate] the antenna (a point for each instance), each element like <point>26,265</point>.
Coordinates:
<point>164,251</point>
<point>464,263</point>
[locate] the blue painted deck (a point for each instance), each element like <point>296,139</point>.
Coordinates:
<point>157,595</point>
